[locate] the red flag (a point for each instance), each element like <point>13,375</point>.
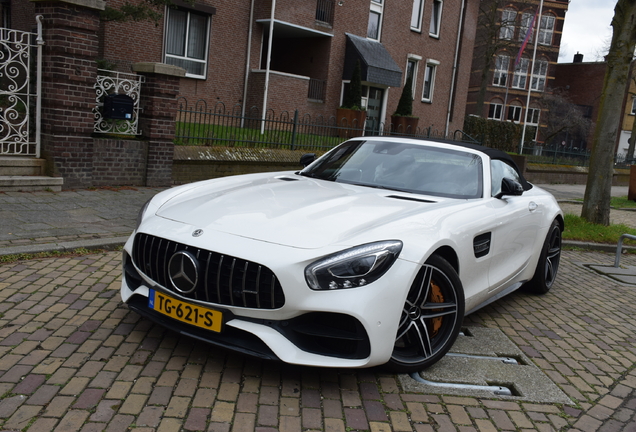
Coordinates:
<point>526,39</point>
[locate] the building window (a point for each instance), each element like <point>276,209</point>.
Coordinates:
<point>501,70</point>
<point>633,106</point>
<point>436,19</point>
<point>520,76</point>
<point>526,25</point>
<point>411,71</point>
<point>495,110</point>
<point>546,30</point>
<point>539,74</point>
<point>533,116</point>
<point>416,15</point>
<point>514,113</point>
<point>507,29</point>
<point>375,20</point>
<point>429,81</point>
<point>187,36</point>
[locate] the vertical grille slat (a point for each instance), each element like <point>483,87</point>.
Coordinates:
<point>218,280</point>
<point>224,280</point>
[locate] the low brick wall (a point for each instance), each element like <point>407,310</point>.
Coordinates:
<point>119,162</point>
<point>560,174</point>
<point>201,163</point>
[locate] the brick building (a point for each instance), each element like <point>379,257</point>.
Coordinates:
<point>224,45</point>
<point>503,74</point>
<point>583,84</point>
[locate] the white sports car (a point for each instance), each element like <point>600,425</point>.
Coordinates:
<point>371,255</point>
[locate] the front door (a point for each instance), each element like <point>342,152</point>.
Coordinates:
<point>374,110</point>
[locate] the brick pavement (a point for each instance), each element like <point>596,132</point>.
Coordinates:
<point>73,358</point>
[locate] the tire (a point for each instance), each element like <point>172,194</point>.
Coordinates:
<point>548,265</point>
<point>431,317</point>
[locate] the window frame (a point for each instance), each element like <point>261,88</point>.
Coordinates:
<point>516,109</point>
<point>186,57</point>
<point>524,25</point>
<point>633,112</point>
<point>376,7</point>
<point>420,15</point>
<point>545,32</point>
<point>508,24</point>
<point>495,107</point>
<point>500,76</point>
<point>436,17</point>
<point>539,79</point>
<point>429,80</point>
<point>521,74</point>
<point>415,60</point>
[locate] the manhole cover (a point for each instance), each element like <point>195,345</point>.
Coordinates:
<point>481,363</point>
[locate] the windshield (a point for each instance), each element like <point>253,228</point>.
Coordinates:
<point>413,168</point>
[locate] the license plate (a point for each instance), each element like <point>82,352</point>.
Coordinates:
<point>195,315</point>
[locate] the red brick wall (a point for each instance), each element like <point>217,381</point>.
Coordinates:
<point>323,57</point>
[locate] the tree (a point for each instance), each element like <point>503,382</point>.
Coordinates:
<point>596,204</point>
<point>565,116</point>
<point>405,104</point>
<point>353,98</point>
<point>495,33</point>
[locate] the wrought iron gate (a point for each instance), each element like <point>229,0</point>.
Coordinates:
<point>20,91</point>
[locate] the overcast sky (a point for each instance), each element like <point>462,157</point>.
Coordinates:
<point>587,30</point>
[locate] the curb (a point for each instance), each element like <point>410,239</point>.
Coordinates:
<point>69,246</point>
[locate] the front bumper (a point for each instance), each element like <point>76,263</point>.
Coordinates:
<point>341,328</point>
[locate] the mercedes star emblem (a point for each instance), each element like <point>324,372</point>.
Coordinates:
<point>183,270</point>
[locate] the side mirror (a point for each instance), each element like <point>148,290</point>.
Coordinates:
<point>307,159</point>
<point>510,187</point>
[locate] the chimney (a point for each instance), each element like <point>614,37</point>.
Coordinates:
<point>578,57</point>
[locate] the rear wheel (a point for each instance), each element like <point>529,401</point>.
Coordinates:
<point>431,317</point>
<point>548,265</point>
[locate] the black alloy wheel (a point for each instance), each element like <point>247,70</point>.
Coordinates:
<point>431,317</point>
<point>548,265</point>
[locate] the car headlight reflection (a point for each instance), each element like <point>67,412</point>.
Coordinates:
<point>353,267</point>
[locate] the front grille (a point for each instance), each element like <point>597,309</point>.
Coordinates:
<point>223,279</point>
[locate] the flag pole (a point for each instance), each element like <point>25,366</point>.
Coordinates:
<point>534,57</point>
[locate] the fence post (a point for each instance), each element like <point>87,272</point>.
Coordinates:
<point>293,139</point>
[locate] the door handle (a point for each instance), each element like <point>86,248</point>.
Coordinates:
<point>532,206</point>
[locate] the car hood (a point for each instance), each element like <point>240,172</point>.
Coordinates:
<point>300,212</point>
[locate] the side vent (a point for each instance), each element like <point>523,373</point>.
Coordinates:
<point>481,244</point>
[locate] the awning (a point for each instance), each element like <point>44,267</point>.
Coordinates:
<point>376,64</point>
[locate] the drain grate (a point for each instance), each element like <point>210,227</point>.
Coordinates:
<point>485,363</point>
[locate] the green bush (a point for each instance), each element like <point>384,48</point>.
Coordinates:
<point>501,135</point>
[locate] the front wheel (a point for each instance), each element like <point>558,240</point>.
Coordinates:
<point>431,317</point>
<point>548,265</point>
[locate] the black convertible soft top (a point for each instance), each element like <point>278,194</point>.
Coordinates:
<point>491,153</point>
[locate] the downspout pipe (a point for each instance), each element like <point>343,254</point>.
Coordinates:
<point>455,65</point>
<point>247,63</point>
<point>267,68</point>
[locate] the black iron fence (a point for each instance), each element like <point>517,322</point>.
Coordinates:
<point>560,155</point>
<point>200,124</point>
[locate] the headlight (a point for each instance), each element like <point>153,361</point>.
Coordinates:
<point>140,215</point>
<point>353,267</point>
